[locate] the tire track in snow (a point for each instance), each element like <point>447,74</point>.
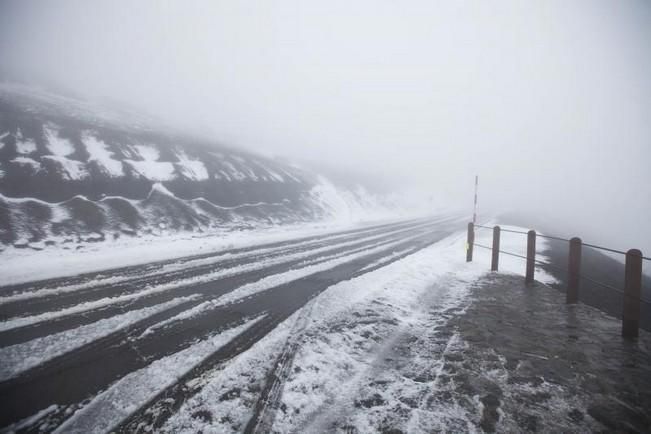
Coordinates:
<point>34,326</point>
<point>134,390</point>
<point>153,416</point>
<point>22,357</point>
<point>61,296</point>
<point>40,388</point>
<point>93,276</point>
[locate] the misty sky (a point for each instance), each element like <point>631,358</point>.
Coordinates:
<point>549,102</point>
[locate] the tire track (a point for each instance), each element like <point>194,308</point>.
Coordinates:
<point>62,297</point>
<point>106,360</point>
<point>154,415</point>
<point>109,307</point>
<point>32,286</point>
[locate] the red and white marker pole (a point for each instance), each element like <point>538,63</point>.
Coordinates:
<point>474,212</point>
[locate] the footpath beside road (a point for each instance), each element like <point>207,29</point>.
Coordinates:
<point>529,362</point>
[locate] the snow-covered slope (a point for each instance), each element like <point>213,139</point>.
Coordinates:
<point>71,172</point>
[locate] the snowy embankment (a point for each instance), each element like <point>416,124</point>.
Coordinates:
<point>366,353</point>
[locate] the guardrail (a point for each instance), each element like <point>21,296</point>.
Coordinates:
<point>632,270</point>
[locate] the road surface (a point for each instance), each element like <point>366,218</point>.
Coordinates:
<point>64,341</point>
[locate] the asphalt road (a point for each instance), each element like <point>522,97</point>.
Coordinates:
<point>38,312</point>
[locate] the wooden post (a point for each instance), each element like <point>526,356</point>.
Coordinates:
<point>632,291</point>
<point>531,256</point>
<point>573,271</point>
<point>470,242</point>
<point>496,249</point>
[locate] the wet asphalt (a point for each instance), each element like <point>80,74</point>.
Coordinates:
<point>69,380</point>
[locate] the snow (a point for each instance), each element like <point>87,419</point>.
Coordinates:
<point>345,342</point>
<point>147,152</point>
<point>23,321</point>
<point>226,175</point>
<point>31,420</point>
<point>25,146</point>
<point>291,176</point>
<point>192,169</point>
<point>156,171</point>
<point>99,152</point>
<point>233,172</point>
<point>323,264</point>
<point>275,280</point>
<point>514,243</point>
<point>241,381</point>
<point>389,258</point>
<point>274,176</point>
<point>357,204</point>
<point>20,265</point>
<point>21,357</point>
<point>150,168</point>
<point>243,165</point>
<point>26,161</point>
<point>111,407</point>
<point>71,170</point>
<point>59,146</point>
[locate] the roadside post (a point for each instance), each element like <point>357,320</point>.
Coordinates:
<point>632,292</point>
<point>496,249</point>
<point>573,271</point>
<point>531,256</point>
<point>470,241</point>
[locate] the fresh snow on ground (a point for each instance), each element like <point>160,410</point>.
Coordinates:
<point>367,353</point>
<point>58,145</point>
<point>134,390</point>
<point>219,273</point>
<point>155,171</point>
<point>22,265</point>
<point>25,146</point>
<point>21,357</point>
<point>71,170</point>
<point>99,153</point>
<point>343,371</point>
<point>274,280</point>
<point>26,161</point>
<point>191,168</point>
<point>513,243</point>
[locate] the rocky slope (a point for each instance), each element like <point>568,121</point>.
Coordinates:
<point>71,172</point>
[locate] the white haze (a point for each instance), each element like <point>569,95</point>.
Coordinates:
<point>549,101</point>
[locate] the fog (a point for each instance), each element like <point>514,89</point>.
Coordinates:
<point>548,102</point>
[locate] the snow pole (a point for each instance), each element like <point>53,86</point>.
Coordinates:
<point>474,211</point>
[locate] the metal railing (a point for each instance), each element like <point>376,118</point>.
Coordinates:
<point>632,270</point>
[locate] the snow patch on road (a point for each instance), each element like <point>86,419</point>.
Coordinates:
<point>20,265</point>
<point>355,369</point>
<point>275,280</point>
<point>134,390</point>
<point>21,357</point>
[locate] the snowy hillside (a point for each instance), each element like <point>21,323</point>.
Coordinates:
<point>71,172</point>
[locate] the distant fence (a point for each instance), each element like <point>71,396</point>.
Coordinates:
<point>632,293</point>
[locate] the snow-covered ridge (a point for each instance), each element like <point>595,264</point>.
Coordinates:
<point>70,176</point>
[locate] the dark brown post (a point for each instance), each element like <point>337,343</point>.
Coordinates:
<point>531,256</point>
<point>632,290</point>
<point>470,242</point>
<point>573,271</point>
<point>496,249</point>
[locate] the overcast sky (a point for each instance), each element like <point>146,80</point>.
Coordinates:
<point>548,101</point>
